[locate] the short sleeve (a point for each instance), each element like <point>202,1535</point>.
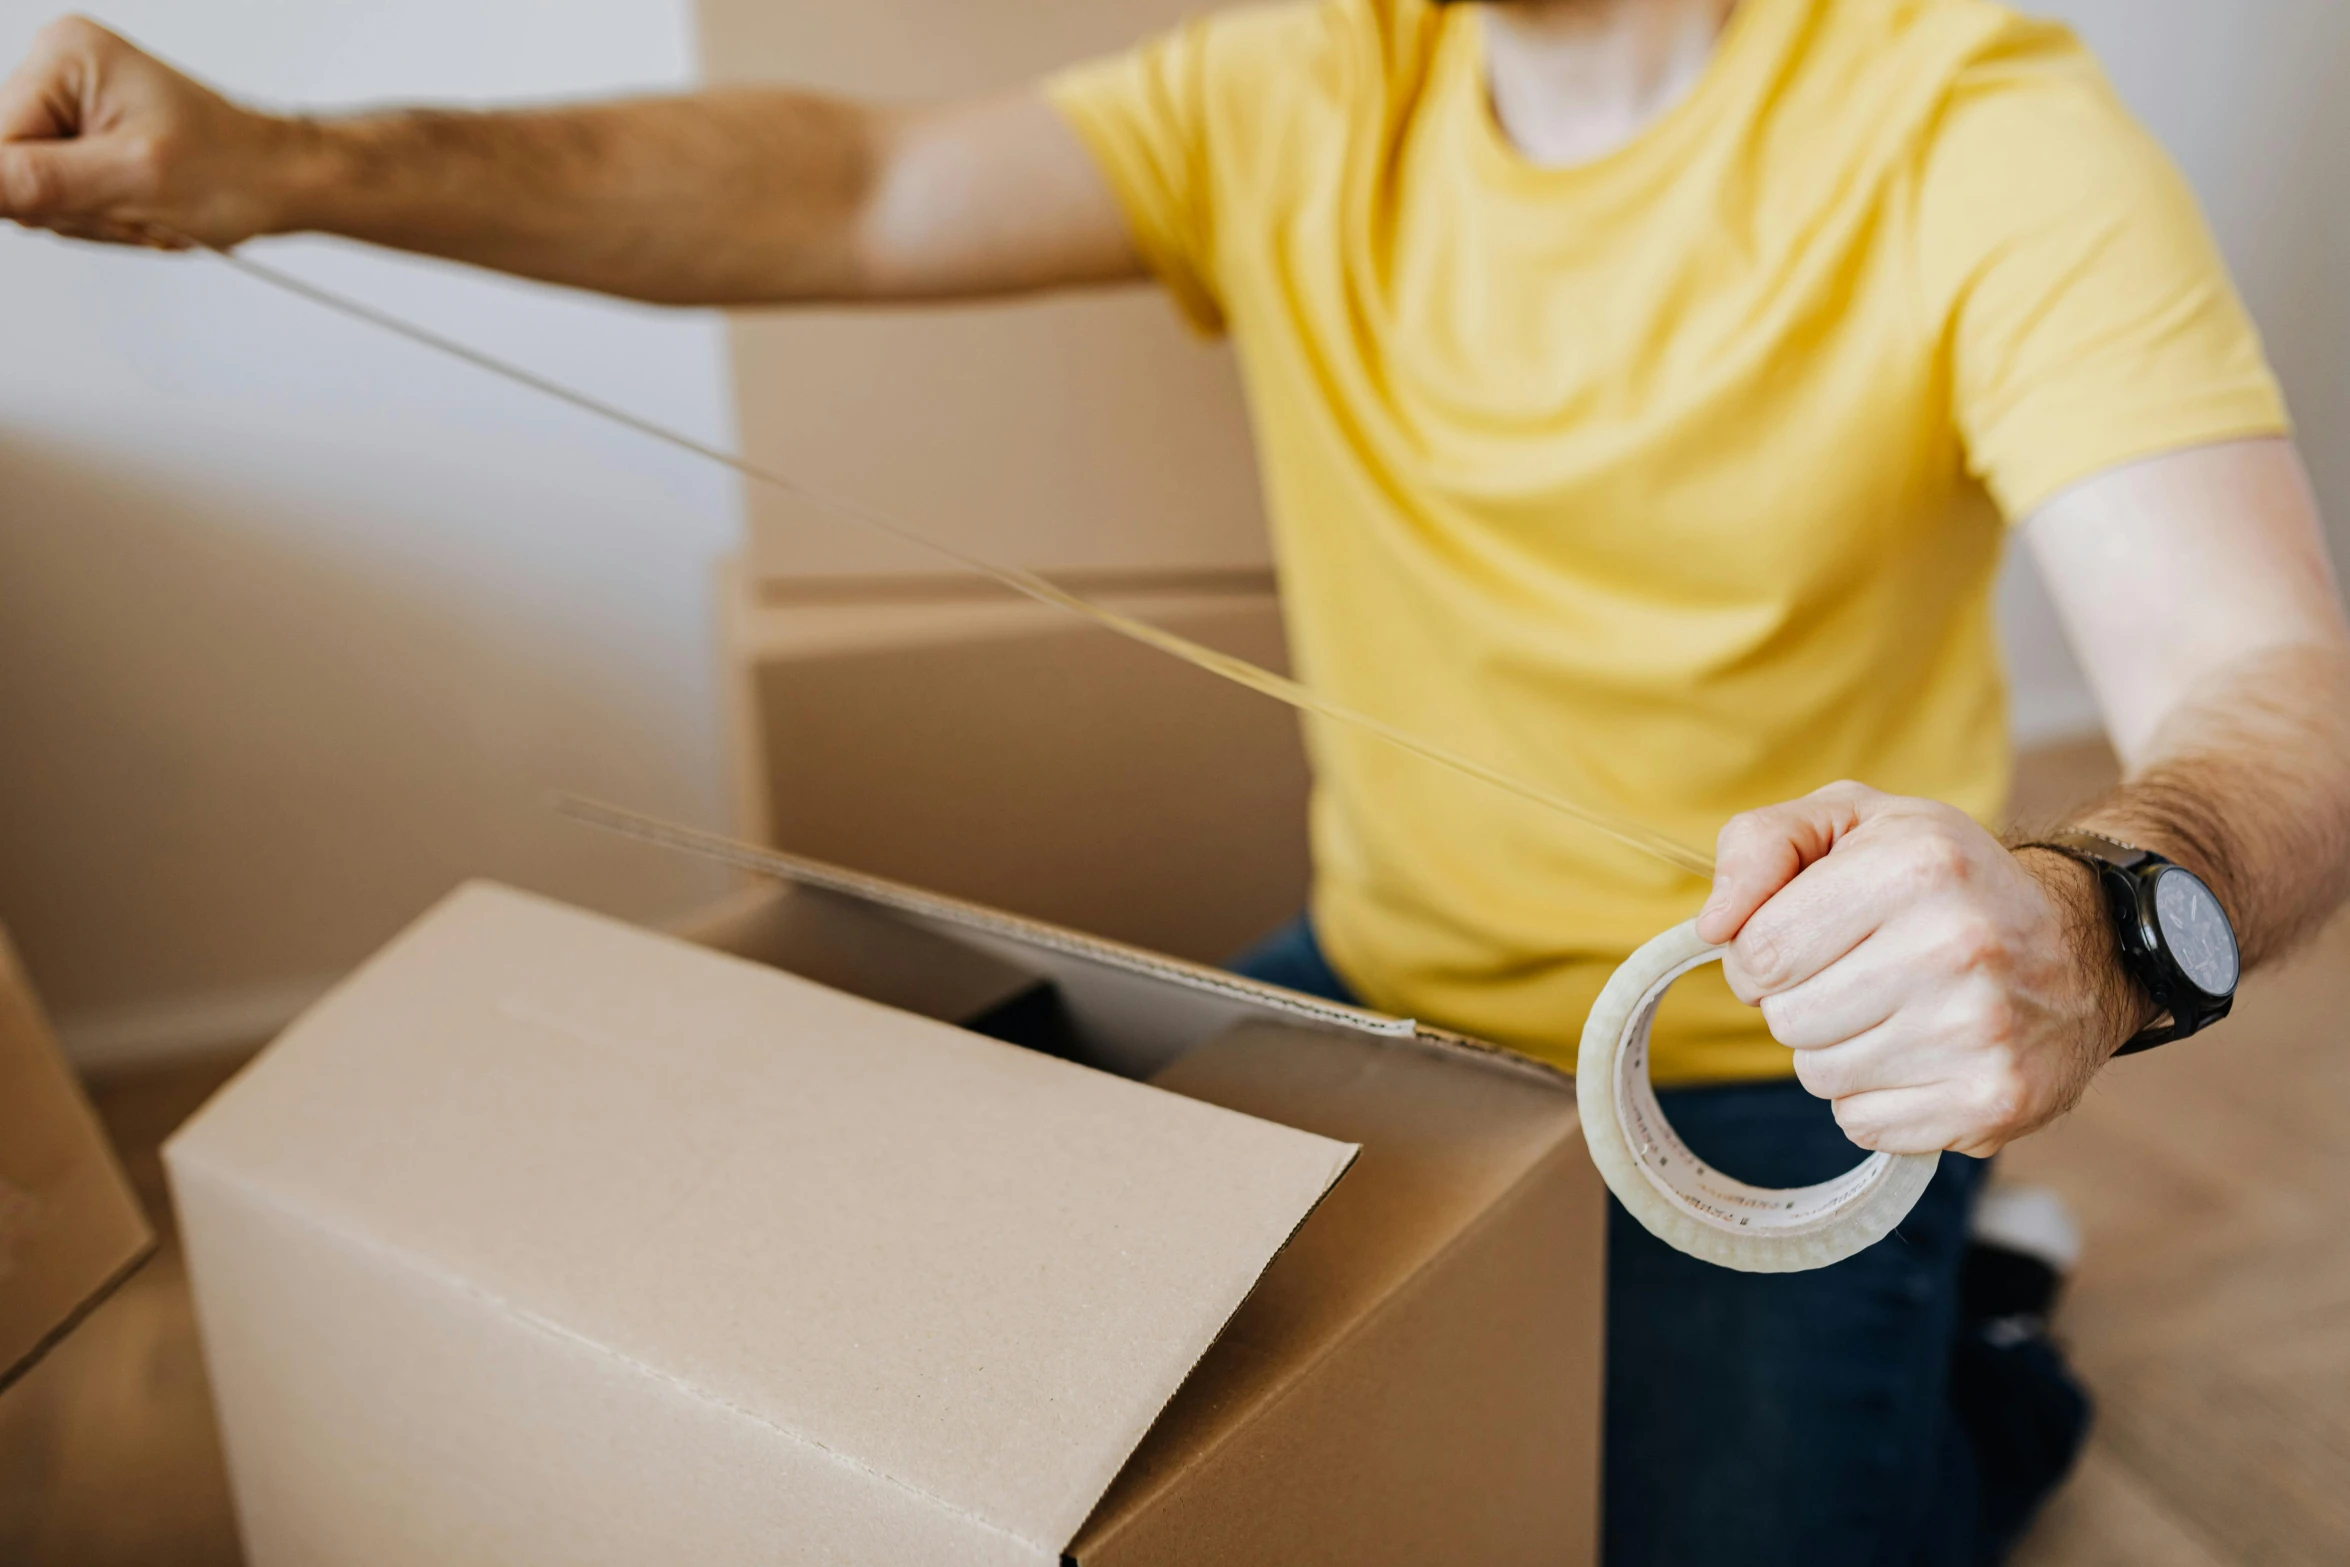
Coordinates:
<point>2089,317</point>
<point>1173,122</point>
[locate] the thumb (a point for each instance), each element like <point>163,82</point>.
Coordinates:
<point>1762,851</point>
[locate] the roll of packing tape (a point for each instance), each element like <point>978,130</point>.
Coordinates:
<point>1678,1197</point>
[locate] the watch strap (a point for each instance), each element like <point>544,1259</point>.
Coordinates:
<point>2106,856</point>
<point>2095,848</point>
<point>2161,1032</point>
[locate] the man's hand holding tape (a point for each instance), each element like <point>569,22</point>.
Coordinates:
<point>1949,993</point>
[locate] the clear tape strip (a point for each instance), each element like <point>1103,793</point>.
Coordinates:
<point>1624,830</point>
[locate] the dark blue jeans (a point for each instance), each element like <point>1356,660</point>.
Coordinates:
<point>1800,1419</point>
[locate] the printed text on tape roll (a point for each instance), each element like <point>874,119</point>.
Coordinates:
<point>1678,1197</point>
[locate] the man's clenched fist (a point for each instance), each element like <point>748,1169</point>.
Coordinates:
<point>1944,992</point>
<point>99,141</point>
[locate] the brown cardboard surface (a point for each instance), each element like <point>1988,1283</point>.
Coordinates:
<point>1415,1379</point>
<point>547,1199</point>
<point>69,1227</point>
<point>1007,756</point>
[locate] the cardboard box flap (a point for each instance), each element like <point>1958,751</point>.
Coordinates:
<point>70,1229</point>
<point>974,1271</point>
<point>1443,1145</point>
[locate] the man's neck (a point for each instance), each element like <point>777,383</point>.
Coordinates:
<point>1573,80</point>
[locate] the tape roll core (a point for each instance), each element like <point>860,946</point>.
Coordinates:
<point>1678,1197</point>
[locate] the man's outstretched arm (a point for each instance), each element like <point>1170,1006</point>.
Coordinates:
<point>1946,992</point>
<point>724,197</point>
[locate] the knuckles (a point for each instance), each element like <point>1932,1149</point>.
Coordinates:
<point>1969,946</point>
<point>73,31</point>
<point>1936,857</point>
<point>1940,852</point>
<point>2003,1098</point>
<point>1744,836</point>
<point>1819,1078</point>
<point>28,188</point>
<point>1759,967</point>
<point>1981,1014</point>
<point>1847,791</point>
<point>148,160</point>
<point>1997,1102</point>
<point>1858,1130</point>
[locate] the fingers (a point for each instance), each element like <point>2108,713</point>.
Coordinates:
<point>1913,1120</point>
<point>62,184</point>
<point>33,182</point>
<point>1912,1085</point>
<point>42,99</point>
<point>27,110</point>
<point>1762,851</point>
<point>1901,1052</point>
<point>50,176</point>
<point>1815,921</point>
<point>1842,1001</point>
<point>1910,862</point>
<point>1893,864</point>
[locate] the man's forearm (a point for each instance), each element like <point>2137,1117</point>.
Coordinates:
<point>725,197</point>
<point>721,198</point>
<point>2248,785</point>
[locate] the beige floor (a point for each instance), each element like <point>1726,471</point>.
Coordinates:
<point>2212,1314</point>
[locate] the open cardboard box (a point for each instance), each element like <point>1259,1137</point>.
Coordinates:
<point>70,1229</point>
<point>871,1227</point>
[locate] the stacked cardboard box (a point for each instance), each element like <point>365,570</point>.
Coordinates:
<point>1008,754</point>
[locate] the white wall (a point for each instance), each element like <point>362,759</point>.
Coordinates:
<point>2253,98</point>
<point>297,623</point>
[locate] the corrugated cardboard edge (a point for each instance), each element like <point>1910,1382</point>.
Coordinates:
<point>13,977</point>
<point>1394,1300</point>
<point>778,865</point>
<point>80,1314</point>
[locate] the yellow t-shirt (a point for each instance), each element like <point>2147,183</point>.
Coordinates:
<point>1660,479</point>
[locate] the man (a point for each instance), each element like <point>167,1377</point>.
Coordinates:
<point>1630,377</point>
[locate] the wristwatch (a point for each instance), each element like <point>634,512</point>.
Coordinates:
<point>2175,938</point>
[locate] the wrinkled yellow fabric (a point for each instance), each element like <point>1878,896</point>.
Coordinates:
<point>1672,480</point>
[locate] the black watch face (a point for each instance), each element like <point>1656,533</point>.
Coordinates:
<point>2196,931</point>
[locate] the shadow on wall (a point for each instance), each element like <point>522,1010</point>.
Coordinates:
<point>2252,101</point>
<point>2310,340</point>
<point>232,763</point>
